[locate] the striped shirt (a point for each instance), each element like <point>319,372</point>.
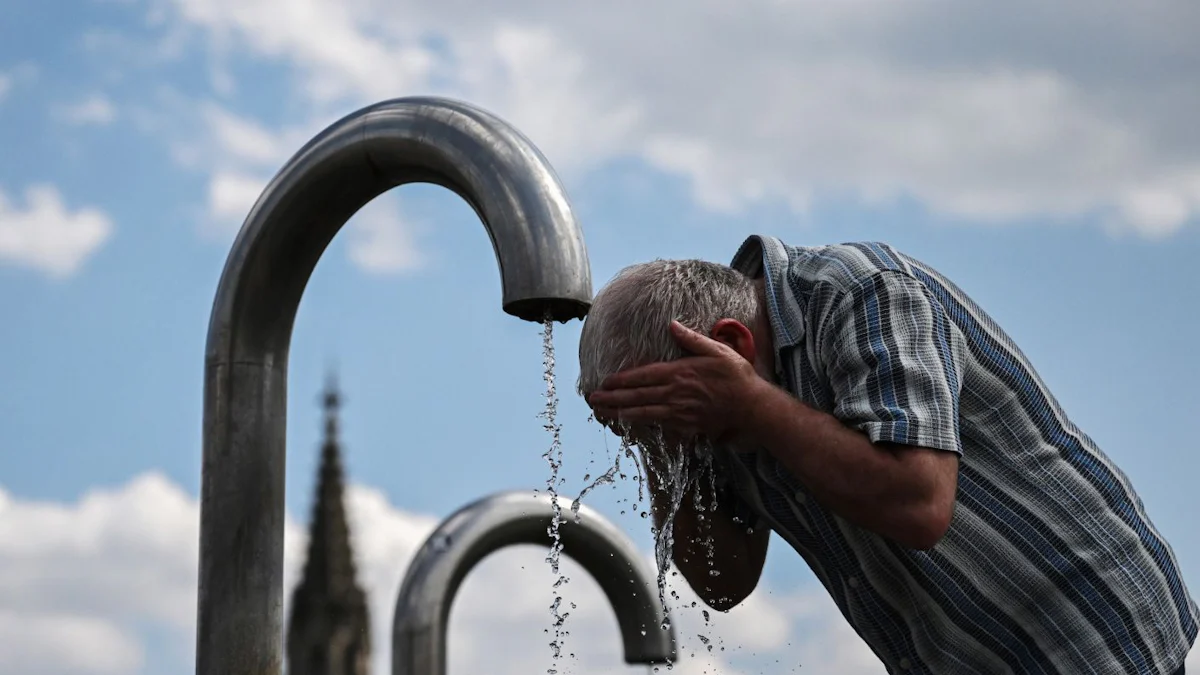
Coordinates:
<point>1050,565</point>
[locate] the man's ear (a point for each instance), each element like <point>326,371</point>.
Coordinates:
<point>735,334</point>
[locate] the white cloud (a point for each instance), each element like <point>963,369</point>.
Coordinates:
<point>231,196</point>
<point>347,59</point>
<point>988,113</point>
<point>382,241</point>
<point>22,73</point>
<point>94,110</point>
<point>46,235</point>
<point>240,156</point>
<point>240,140</point>
<point>97,571</point>
<point>47,644</point>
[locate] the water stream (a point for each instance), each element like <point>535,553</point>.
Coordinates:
<point>554,457</point>
<point>670,468</point>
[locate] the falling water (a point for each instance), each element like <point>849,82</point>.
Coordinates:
<point>554,457</point>
<point>610,476</point>
<point>675,476</point>
<point>678,470</point>
<point>705,455</point>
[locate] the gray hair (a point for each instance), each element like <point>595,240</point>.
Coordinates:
<point>629,322</point>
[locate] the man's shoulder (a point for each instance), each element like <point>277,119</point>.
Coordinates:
<point>845,265</point>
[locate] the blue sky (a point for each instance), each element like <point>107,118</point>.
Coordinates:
<point>1061,193</point>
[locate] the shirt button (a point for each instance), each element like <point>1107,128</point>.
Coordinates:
<point>853,581</point>
<point>905,664</point>
<point>800,497</point>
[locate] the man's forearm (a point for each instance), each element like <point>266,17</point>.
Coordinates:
<point>870,485</point>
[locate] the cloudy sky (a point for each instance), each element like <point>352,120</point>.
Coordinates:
<point>1044,155</point>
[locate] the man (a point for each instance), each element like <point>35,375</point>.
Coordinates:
<point>883,425</point>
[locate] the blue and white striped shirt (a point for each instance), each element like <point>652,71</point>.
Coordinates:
<point>1050,565</point>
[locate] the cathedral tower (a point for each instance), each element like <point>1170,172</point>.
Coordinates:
<point>329,628</point>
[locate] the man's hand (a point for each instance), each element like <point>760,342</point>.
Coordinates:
<point>706,393</point>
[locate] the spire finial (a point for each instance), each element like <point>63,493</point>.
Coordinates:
<point>332,401</point>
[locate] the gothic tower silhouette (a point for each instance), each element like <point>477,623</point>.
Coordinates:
<point>329,628</point>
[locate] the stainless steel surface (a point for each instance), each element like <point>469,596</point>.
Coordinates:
<point>506,519</point>
<point>543,268</point>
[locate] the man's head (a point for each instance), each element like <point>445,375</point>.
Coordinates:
<point>629,322</point>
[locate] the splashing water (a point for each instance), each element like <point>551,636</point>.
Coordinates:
<point>705,454</point>
<point>671,470</point>
<point>680,472</point>
<point>554,457</point>
<point>609,477</point>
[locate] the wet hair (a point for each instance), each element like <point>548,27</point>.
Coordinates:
<point>629,322</point>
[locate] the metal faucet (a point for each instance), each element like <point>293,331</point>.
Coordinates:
<point>544,273</point>
<point>506,519</point>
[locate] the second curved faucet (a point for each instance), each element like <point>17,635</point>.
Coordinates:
<point>507,519</point>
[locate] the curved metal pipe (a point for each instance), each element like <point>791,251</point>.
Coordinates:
<point>507,519</point>
<point>543,269</point>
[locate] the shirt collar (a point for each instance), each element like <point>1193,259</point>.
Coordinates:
<point>767,257</point>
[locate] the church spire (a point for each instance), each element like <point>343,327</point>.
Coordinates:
<point>329,628</point>
<point>330,564</point>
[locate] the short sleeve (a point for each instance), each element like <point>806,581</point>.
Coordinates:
<point>894,362</point>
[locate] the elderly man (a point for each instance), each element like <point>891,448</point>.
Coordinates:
<point>874,417</point>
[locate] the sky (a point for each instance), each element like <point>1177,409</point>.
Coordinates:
<point>1042,155</point>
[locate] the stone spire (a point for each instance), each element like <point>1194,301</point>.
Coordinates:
<point>329,630</point>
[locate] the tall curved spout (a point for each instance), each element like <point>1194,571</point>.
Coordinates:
<point>507,519</point>
<point>543,270</point>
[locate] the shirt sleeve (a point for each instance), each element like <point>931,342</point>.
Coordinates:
<point>894,362</point>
